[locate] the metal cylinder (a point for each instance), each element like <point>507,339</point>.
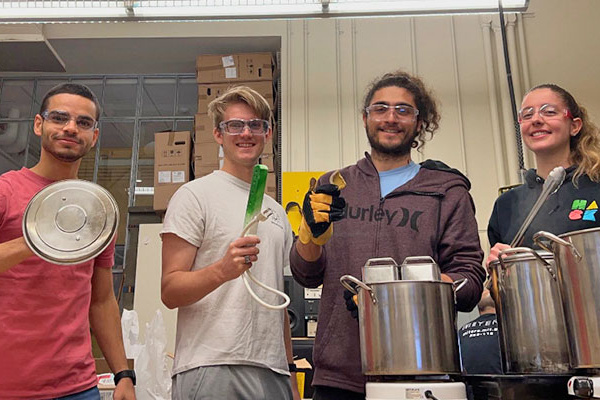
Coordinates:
<point>531,322</point>
<point>408,328</point>
<point>578,263</point>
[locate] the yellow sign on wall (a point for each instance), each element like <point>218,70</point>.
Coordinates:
<point>294,186</point>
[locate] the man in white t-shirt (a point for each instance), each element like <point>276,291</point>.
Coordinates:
<point>228,346</point>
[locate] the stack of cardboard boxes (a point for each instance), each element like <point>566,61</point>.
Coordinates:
<point>171,165</point>
<point>174,150</point>
<point>215,74</point>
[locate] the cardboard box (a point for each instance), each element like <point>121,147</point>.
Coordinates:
<point>268,160</point>
<point>206,153</point>
<point>268,146</point>
<point>234,67</point>
<point>203,129</point>
<point>103,371</point>
<point>171,165</point>
<point>209,91</point>
<point>271,187</point>
<point>202,170</point>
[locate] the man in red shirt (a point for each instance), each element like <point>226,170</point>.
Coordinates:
<point>47,309</point>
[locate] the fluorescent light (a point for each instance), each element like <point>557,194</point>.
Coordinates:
<point>165,10</point>
<point>425,6</point>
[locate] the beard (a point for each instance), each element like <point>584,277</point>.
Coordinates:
<point>64,154</point>
<point>392,150</point>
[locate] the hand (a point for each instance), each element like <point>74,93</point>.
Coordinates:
<point>124,390</point>
<point>493,256</point>
<point>322,206</point>
<point>233,264</point>
<point>351,303</point>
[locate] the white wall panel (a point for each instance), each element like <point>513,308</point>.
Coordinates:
<point>436,65</point>
<point>350,124</point>
<point>473,97</point>
<point>323,102</point>
<point>295,104</point>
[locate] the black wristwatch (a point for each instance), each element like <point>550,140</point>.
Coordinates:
<point>126,373</point>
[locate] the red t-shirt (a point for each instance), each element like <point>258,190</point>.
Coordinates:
<point>45,343</point>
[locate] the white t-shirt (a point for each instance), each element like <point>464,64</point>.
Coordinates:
<point>228,327</point>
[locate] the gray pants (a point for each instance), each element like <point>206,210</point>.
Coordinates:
<point>231,382</point>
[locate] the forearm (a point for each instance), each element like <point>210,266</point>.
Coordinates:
<point>13,252</point>
<point>287,337</point>
<point>307,273</point>
<point>182,288</point>
<point>105,322</point>
<point>309,252</point>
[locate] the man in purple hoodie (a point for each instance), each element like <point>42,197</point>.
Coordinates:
<point>393,208</point>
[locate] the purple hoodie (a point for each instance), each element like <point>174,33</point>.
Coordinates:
<point>430,215</point>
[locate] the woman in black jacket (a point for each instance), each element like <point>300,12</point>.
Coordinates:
<point>558,131</point>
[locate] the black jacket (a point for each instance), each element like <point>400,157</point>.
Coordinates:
<point>569,209</point>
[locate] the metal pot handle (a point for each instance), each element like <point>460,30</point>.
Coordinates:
<point>537,238</point>
<point>419,259</point>
<point>373,261</point>
<point>345,281</point>
<point>519,250</point>
<point>459,284</point>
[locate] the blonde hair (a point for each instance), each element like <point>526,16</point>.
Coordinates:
<point>239,94</point>
<point>585,146</point>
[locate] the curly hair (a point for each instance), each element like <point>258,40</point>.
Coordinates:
<point>585,146</point>
<point>425,102</point>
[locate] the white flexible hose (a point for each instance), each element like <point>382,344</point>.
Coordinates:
<point>252,224</point>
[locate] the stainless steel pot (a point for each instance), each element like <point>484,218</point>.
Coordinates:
<point>70,221</point>
<point>407,327</point>
<point>530,316</point>
<point>577,257</point>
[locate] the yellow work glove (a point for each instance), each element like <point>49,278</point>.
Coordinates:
<point>322,206</point>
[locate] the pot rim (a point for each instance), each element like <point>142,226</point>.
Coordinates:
<point>519,257</point>
<point>578,232</point>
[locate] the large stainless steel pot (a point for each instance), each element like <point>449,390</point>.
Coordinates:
<point>530,316</point>
<point>407,327</point>
<point>577,257</point>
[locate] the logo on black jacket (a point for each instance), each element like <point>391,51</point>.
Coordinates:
<point>580,210</point>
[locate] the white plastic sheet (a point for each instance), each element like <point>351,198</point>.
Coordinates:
<point>150,358</point>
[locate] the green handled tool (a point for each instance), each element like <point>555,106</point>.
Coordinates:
<point>251,219</point>
<point>255,197</point>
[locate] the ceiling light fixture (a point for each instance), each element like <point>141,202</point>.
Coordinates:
<point>35,11</point>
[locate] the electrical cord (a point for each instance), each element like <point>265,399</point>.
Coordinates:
<point>247,276</point>
<point>429,395</point>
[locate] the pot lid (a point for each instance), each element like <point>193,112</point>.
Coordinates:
<point>70,221</point>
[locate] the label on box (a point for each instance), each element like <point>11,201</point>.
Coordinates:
<point>231,73</point>
<point>106,379</point>
<point>178,176</point>
<point>228,61</point>
<point>164,176</point>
